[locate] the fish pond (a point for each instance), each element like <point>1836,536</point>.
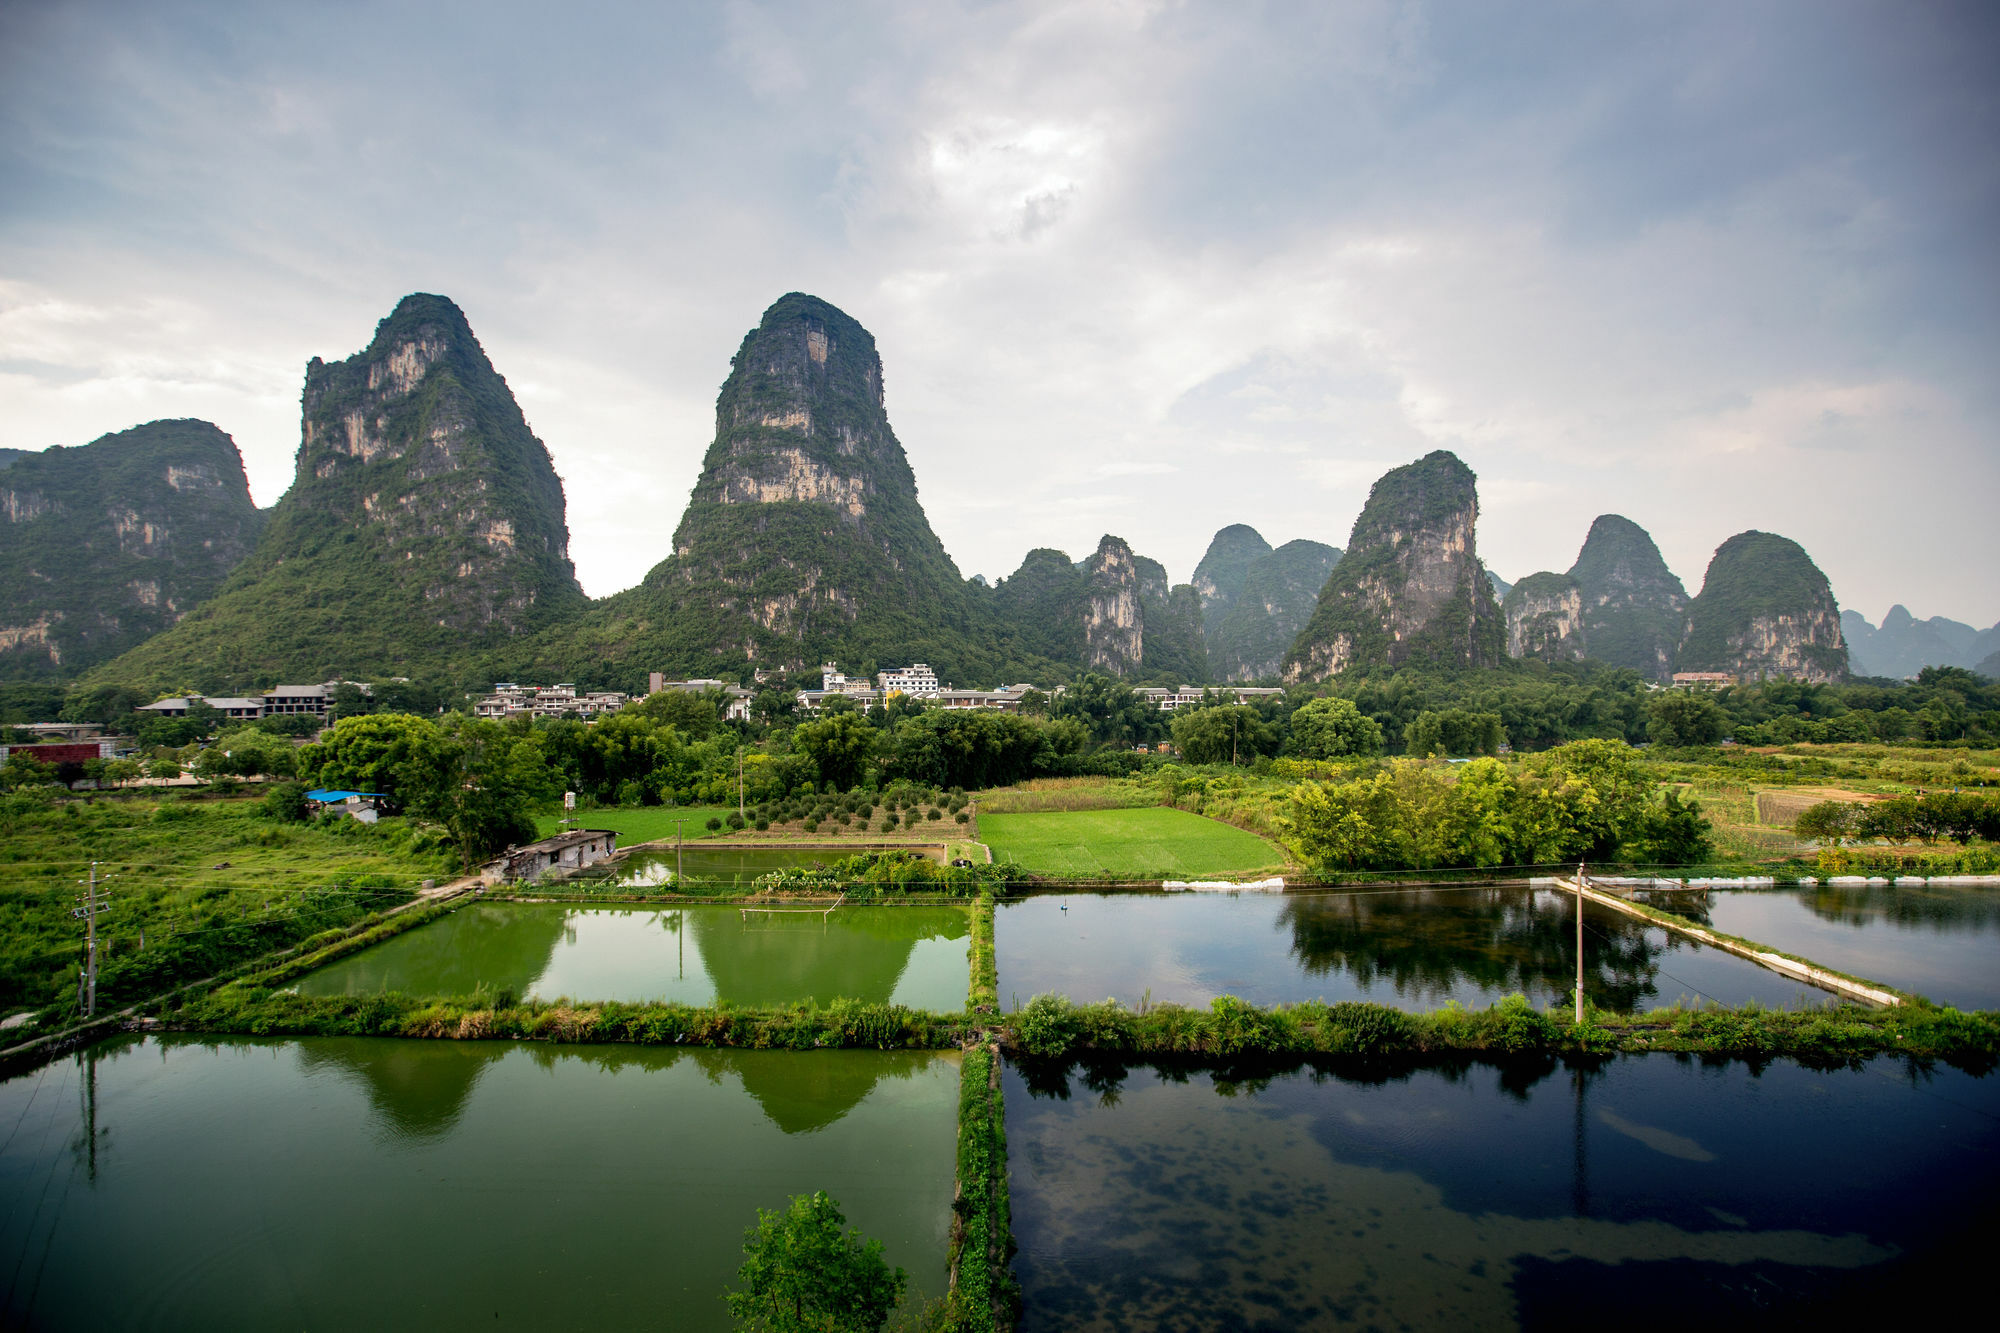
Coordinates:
<point>702,955</point>
<point>344,1183</point>
<point>1942,941</point>
<point>730,866</point>
<point>1651,1192</point>
<point>1413,948</point>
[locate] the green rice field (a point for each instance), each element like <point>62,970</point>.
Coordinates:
<point>1155,843</point>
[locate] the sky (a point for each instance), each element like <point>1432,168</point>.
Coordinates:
<point>1135,268</point>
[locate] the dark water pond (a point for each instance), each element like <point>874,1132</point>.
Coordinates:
<point>694,955</point>
<point>1413,948</point>
<point>736,866</point>
<point>1652,1193</point>
<point>353,1183</point>
<point>1940,941</point>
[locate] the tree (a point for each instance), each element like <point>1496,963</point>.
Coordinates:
<point>1454,731</point>
<point>805,1272</point>
<point>1684,718</point>
<point>695,716</point>
<point>394,755</point>
<point>1675,832</point>
<point>1226,734</point>
<point>24,770</point>
<point>1110,708</point>
<point>1335,729</point>
<point>1828,821</point>
<point>838,747</point>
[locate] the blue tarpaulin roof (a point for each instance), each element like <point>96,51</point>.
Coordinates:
<point>328,794</point>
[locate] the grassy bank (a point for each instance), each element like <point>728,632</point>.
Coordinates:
<point>1128,844</point>
<point>1050,1027</point>
<point>260,1011</point>
<point>985,975</point>
<point>984,1295</point>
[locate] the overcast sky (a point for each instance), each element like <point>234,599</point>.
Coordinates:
<point>1132,267</point>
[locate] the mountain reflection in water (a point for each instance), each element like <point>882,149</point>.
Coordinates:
<point>1414,948</point>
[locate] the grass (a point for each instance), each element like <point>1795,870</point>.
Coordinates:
<point>206,884</point>
<point>1143,844</point>
<point>1044,794</point>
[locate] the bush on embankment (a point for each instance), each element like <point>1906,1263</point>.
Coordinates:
<point>841,1024</point>
<point>1050,1027</point>
<point>984,1297</point>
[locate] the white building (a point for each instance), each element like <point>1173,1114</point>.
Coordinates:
<point>1185,696</point>
<point>511,700</point>
<point>916,680</point>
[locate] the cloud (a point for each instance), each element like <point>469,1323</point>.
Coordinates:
<point>1177,266</point>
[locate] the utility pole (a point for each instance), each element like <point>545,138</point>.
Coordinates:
<point>1579,944</point>
<point>92,903</point>
<point>739,783</point>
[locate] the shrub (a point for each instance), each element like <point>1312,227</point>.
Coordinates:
<point>763,824</point>
<point>714,823</point>
<point>963,818</point>
<point>734,820</point>
<point>1047,1026</point>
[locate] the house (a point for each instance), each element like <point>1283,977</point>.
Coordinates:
<point>735,709</point>
<point>1185,696</point>
<point>278,701</point>
<point>1702,680</point>
<point>563,853</point>
<point>510,700</point>
<point>362,806</point>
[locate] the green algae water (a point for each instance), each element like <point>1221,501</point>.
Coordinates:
<point>1938,940</point>
<point>1412,948</point>
<point>349,1183</point>
<point>1648,1193</point>
<point>915,956</point>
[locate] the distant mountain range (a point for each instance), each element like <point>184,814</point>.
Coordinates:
<point>1904,645</point>
<point>425,534</point>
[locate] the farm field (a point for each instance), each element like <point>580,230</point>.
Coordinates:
<point>1154,843</point>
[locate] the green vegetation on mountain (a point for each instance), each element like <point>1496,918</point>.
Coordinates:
<point>1765,610</point>
<point>104,546</point>
<point>804,540</point>
<point>425,526</point>
<point>1219,577</point>
<point>1633,606</point>
<point>1410,588</point>
<point>1275,600</point>
<point>1172,646</point>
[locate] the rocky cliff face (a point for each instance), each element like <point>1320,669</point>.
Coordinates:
<point>1114,625</point>
<point>803,540</point>
<point>1410,587</point>
<point>104,546</point>
<point>425,522</point>
<point>1764,611</point>
<point>1545,618</point>
<point>1633,606</point>
<point>1271,605</point>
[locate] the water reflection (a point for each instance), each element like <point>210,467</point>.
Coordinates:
<point>1937,940</point>
<point>915,956</point>
<point>418,1089</point>
<point>242,1183</point>
<point>1442,1196</point>
<point>1416,948</point>
<point>737,866</point>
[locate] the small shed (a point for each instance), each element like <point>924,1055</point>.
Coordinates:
<point>365,806</point>
<point>564,852</point>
